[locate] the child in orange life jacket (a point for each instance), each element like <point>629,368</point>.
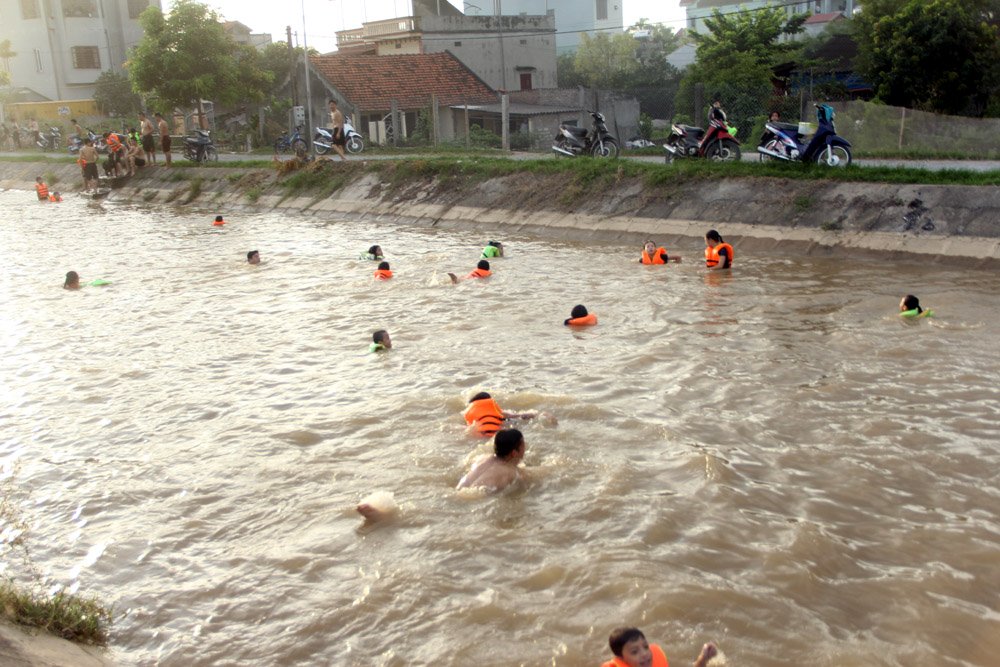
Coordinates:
<point>718,253</point>
<point>632,650</point>
<point>653,255</point>
<point>579,317</point>
<point>218,221</point>
<point>497,472</point>
<point>383,272</point>
<point>55,196</point>
<point>482,270</point>
<point>41,189</point>
<point>485,416</point>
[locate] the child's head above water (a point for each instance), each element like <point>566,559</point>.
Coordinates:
<point>579,311</point>
<point>375,251</point>
<point>381,337</point>
<point>507,443</point>
<point>631,646</point>
<point>72,280</point>
<point>910,302</point>
<point>483,264</point>
<point>383,266</point>
<point>480,396</point>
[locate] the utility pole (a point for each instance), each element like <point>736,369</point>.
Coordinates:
<point>291,60</point>
<point>305,59</point>
<point>503,65</point>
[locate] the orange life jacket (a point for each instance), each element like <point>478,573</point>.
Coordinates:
<point>485,415</point>
<point>383,274</point>
<point>656,258</point>
<point>80,161</point>
<point>218,223</point>
<point>480,273</point>
<point>42,190</point>
<point>712,254</point>
<point>54,198</point>
<point>585,321</point>
<point>659,658</point>
<point>114,144</point>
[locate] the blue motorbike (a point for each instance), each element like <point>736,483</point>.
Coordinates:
<point>783,141</point>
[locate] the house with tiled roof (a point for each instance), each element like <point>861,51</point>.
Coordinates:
<point>368,87</point>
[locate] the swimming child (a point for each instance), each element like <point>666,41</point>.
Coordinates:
<point>55,196</point>
<point>218,221</point>
<point>374,254</point>
<point>41,189</point>
<point>383,272</point>
<point>253,257</point>
<point>485,416</point>
<point>497,471</point>
<point>632,650</point>
<point>654,255</point>
<point>579,317</point>
<point>72,280</point>
<point>380,341</point>
<point>718,253</point>
<point>482,270</point>
<point>909,307</point>
<point>492,249</point>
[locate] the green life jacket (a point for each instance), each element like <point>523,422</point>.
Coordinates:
<point>491,251</point>
<point>913,312</point>
<point>376,347</point>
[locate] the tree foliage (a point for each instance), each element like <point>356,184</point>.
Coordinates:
<point>935,55</point>
<point>114,95</point>
<point>6,53</point>
<point>188,56</point>
<point>734,61</point>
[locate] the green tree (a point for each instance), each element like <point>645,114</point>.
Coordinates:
<point>187,56</point>
<point>114,95</point>
<point>606,61</point>
<point>566,74</point>
<point>936,55</point>
<point>734,61</point>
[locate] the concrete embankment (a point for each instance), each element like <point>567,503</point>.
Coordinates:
<point>948,223</point>
<point>24,648</point>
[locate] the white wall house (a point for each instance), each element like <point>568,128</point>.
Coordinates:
<point>698,10</point>
<point>573,17</point>
<point>63,46</point>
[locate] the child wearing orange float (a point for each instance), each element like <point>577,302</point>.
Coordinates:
<point>486,417</point>
<point>482,270</point>
<point>218,221</point>
<point>653,255</point>
<point>383,272</point>
<point>718,253</point>
<point>632,650</point>
<point>579,317</point>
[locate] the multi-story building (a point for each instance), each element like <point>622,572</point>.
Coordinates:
<point>62,46</point>
<point>573,17</point>
<point>506,52</point>
<point>698,10</point>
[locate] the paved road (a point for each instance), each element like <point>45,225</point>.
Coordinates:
<point>932,165</point>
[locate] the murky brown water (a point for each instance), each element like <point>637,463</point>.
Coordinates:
<point>769,459</point>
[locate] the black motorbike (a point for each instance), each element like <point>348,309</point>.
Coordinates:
<point>49,141</point>
<point>598,142</point>
<point>199,147</point>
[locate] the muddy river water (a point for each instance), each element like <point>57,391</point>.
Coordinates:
<point>769,459</point>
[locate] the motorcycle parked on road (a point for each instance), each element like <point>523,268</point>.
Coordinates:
<point>783,141</point>
<point>76,142</point>
<point>323,141</point>
<point>199,147</point>
<point>598,142</point>
<point>294,143</point>
<point>718,143</point>
<point>49,141</point>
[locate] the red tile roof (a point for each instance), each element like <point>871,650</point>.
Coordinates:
<point>824,18</point>
<point>370,82</point>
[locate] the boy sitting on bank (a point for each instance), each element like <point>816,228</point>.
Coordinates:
<point>632,650</point>
<point>497,472</point>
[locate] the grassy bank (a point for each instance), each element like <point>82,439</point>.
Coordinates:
<point>74,617</point>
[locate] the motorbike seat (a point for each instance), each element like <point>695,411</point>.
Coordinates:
<point>575,131</point>
<point>691,129</point>
<point>787,127</point>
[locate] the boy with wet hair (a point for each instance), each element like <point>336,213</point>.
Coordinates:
<point>632,650</point>
<point>497,472</point>
<point>253,257</point>
<point>380,341</point>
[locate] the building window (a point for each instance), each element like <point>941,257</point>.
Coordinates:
<point>80,8</point>
<point>38,60</point>
<point>86,57</point>
<point>136,7</point>
<point>524,42</point>
<point>29,9</point>
<point>458,43</point>
<point>399,45</point>
<point>602,10</point>
<point>525,80</point>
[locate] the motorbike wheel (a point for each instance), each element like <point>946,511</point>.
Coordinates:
<point>606,149</point>
<point>773,145</point>
<point>355,144</point>
<point>299,148</point>
<point>210,154</point>
<point>320,150</point>
<point>834,156</point>
<point>724,151</point>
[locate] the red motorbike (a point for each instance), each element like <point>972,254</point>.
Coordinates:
<point>716,144</point>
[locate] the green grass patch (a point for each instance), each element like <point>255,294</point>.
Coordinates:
<point>51,178</point>
<point>253,194</point>
<point>73,617</point>
<point>194,189</point>
<point>803,203</point>
<point>39,158</point>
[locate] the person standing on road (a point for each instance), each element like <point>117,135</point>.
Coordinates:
<point>337,121</point>
<point>161,124</point>
<point>146,137</point>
